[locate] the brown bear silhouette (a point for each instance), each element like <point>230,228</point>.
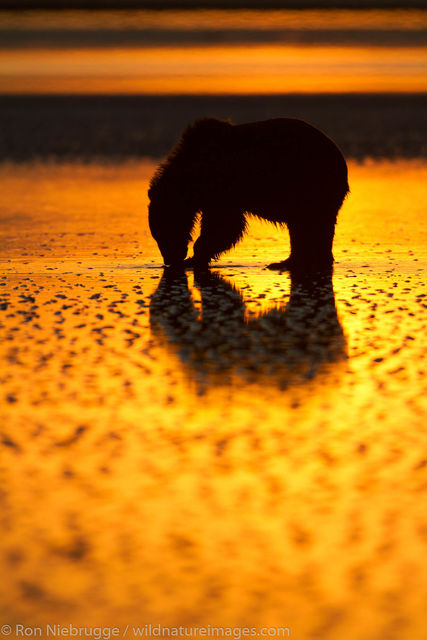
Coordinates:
<point>283,170</point>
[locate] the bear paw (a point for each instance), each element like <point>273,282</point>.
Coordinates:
<point>285,265</point>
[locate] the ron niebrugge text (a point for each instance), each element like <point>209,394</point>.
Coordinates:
<point>146,630</point>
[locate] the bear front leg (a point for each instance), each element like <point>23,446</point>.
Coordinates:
<point>218,234</point>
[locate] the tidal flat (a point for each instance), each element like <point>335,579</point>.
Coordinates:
<point>232,450</point>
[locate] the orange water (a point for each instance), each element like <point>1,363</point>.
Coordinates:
<point>235,61</point>
<point>140,487</point>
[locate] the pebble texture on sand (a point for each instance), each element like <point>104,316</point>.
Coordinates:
<point>226,451</point>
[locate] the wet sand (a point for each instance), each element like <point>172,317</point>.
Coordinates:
<point>228,451</point>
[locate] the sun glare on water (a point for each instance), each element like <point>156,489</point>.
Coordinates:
<point>255,52</point>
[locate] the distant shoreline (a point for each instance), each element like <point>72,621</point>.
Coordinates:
<point>88,128</point>
<point>11,5</point>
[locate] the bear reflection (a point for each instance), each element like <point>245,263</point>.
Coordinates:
<point>289,343</point>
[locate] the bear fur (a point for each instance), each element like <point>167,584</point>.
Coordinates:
<point>282,170</point>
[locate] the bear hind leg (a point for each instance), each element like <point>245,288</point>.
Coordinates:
<point>284,265</point>
<point>311,245</point>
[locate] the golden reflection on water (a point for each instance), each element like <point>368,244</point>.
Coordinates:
<point>326,19</point>
<point>137,488</point>
<point>227,52</point>
<point>232,69</point>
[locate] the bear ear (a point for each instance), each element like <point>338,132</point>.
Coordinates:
<point>208,134</point>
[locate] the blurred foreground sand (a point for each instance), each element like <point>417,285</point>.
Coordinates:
<point>136,487</point>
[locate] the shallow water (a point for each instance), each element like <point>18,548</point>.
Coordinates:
<point>230,451</point>
<point>210,52</point>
